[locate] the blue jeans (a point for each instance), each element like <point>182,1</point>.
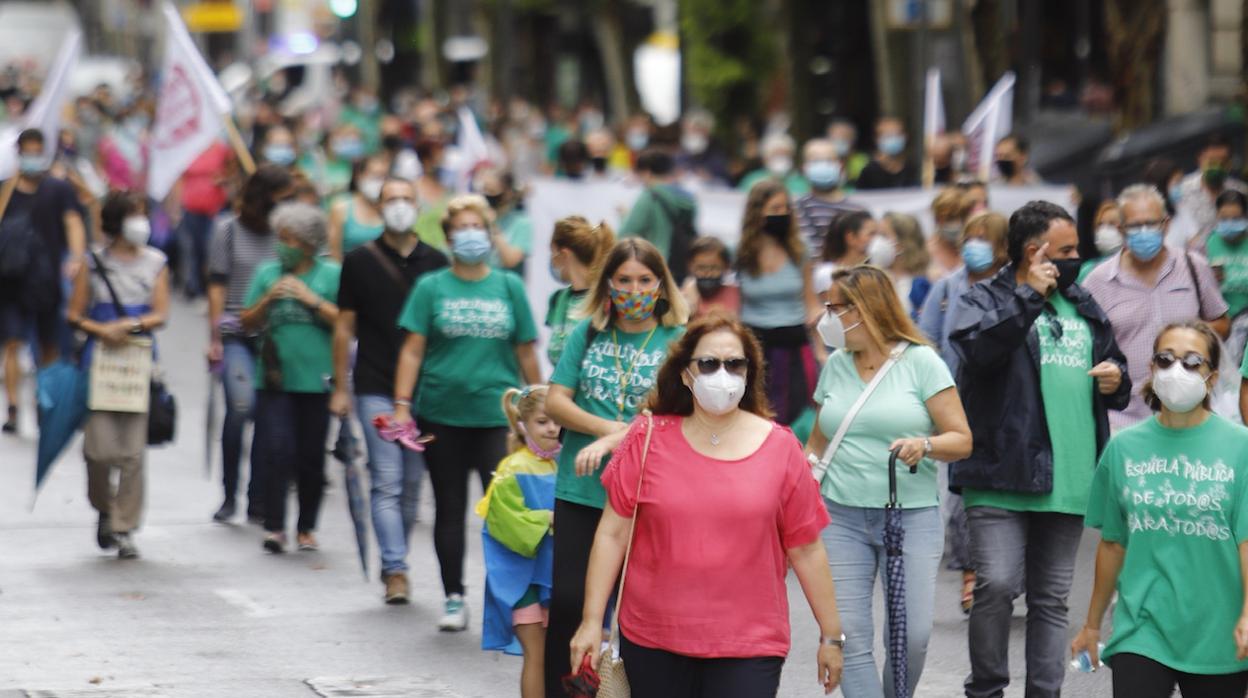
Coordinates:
<point>238,380</point>
<point>194,232</point>
<point>395,474</point>
<point>1035,552</point>
<point>855,545</point>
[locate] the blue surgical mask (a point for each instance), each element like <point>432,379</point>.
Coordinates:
<point>1230,228</point>
<point>31,164</point>
<point>470,245</point>
<point>350,149</point>
<point>823,174</point>
<point>892,145</point>
<point>637,140</point>
<point>1176,193</point>
<point>280,155</point>
<point>1145,242</point>
<point>556,273</point>
<point>978,255</point>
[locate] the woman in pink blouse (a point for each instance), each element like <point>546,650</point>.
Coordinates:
<point>727,503</point>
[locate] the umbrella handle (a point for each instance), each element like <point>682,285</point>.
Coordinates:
<point>892,476</point>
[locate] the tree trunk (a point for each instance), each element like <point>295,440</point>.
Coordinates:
<point>1134,31</point>
<point>615,74</point>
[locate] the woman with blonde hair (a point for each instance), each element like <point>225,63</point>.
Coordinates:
<point>470,337</point>
<point>608,367</point>
<point>900,249</point>
<point>517,537</point>
<point>950,209</point>
<point>777,298</point>
<point>886,390</point>
<point>577,248</point>
<point>983,255</point>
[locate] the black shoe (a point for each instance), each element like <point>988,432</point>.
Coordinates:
<point>104,533</point>
<point>10,425</point>
<point>225,513</point>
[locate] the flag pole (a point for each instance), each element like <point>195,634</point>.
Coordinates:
<point>6,194</point>
<point>929,167</point>
<point>240,148</point>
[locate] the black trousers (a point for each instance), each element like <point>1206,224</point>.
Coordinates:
<point>1137,676</point>
<point>291,429</point>
<point>451,457</point>
<point>575,525</point>
<point>654,672</point>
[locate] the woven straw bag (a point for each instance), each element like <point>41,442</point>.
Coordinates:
<point>613,679</point>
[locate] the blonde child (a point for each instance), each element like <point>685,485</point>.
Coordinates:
<point>518,508</point>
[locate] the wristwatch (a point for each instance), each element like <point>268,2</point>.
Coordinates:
<point>927,445</point>
<point>136,327</point>
<point>832,641</point>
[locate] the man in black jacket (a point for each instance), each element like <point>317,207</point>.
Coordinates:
<point>1040,367</point>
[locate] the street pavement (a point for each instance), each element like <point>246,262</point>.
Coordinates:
<point>206,612</point>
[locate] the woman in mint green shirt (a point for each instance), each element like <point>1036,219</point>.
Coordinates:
<point>471,337</point>
<point>915,408</point>
<point>291,303</point>
<point>608,367</point>
<point>1170,501</point>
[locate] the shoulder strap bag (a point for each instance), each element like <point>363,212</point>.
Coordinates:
<point>822,466</point>
<point>613,679</point>
<point>392,270</point>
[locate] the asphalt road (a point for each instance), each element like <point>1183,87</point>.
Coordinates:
<point>206,613</point>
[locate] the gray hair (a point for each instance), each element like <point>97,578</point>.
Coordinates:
<point>1135,192</point>
<point>305,222</point>
<point>777,141</point>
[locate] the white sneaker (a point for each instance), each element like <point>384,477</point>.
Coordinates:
<point>454,614</point>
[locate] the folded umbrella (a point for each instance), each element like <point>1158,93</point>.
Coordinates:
<point>61,393</point>
<point>895,580</point>
<point>347,451</point>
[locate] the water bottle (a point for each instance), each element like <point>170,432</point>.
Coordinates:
<point>1083,661</point>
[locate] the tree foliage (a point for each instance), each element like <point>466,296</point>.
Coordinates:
<point>730,52</point>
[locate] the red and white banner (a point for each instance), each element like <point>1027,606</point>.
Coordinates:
<point>189,111</point>
<point>991,121</point>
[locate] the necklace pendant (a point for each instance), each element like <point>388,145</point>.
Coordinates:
<point>714,439</point>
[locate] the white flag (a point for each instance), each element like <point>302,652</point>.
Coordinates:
<point>991,121</point>
<point>933,106</point>
<point>188,112</point>
<point>45,112</point>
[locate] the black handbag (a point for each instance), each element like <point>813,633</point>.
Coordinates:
<point>162,409</point>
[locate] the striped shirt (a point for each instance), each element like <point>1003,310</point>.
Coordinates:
<point>814,215</point>
<point>233,256</point>
<point>1139,311</point>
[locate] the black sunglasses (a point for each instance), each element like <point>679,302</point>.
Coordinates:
<point>708,366</point>
<point>1191,360</point>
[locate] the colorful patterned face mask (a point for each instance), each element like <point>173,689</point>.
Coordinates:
<point>634,305</point>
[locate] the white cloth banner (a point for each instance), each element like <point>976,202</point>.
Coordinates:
<point>45,112</point>
<point>933,107</point>
<point>719,214</point>
<point>189,112</point>
<point>991,121</point>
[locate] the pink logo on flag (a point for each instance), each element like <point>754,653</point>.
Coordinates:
<point>180,108</point>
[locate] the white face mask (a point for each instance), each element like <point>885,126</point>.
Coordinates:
<point>1108,240</point>
<point>881,252</point>
<point>779,165</point>
<point>832,330</point>
<point>370,187</point>
<point>1179,389</point>
<point>720,392</point>
<point>136,230</point>
<point>399,216</point>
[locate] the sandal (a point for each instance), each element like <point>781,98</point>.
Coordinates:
<point>968,591</point>
<point>307,542</point>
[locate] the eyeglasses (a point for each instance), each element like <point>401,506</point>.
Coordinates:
<point>838,308</point>
<point>1191,360</point>
<point>709,365</point>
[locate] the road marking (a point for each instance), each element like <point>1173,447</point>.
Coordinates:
<point>238,599</point>
<point>381,687</point>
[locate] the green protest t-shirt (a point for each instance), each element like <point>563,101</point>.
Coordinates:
<point>560,321</point>
<point>1232,260</point>
<point>1175,499</point>
<point>1066,387</point>
<point>857,475</point>
<point>471,331</point>
<point>615,365</point>
<point>303,340</point>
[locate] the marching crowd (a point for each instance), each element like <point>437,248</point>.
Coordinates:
<point>657,487</point>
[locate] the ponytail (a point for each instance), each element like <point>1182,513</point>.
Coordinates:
<point>518,405</point>
<point>590,244</point>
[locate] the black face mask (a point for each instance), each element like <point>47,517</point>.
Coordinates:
<point>494,200</point>
<point>1067,272</point>
<point>778,226</point>
<point>709,285</point>
<point>393,143</point>
<point>600,164</point>
<point>1007,168</point>
<point>944,175</point>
